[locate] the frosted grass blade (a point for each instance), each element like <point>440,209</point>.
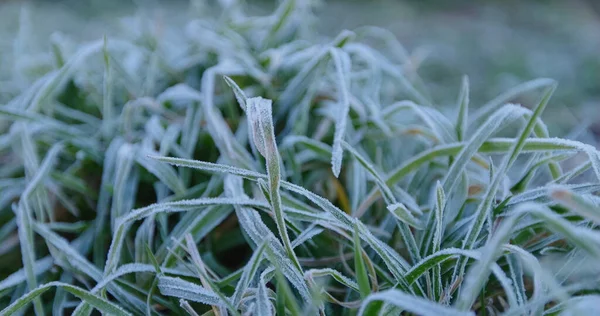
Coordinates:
<point>98,302</point>
<point>463,110</point>
<point>342,64</point>
<point>410,304</point>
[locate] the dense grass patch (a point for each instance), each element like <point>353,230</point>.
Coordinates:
<point>244,165</point>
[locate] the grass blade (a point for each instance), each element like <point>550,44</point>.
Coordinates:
<point>359,267</point>
<point>98,302</point>
<point>463,110</point>
<point>410,304</point>
<point>262,108</point>
<point>342,65</point>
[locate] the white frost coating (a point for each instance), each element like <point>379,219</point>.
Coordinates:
<point>342,65</point>
<point>263,304</point>
<point>402,214</point>
<point>337,275</point>
<point>19,276</point>
<point>254,119</point>
<point>98,302</point>
<point>411,304</point>
<point>177,287</point>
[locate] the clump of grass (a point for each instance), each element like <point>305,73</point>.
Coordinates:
<point>246,166</point>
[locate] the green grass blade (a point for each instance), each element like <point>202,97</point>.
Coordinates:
<point>410,304</point>
<point>581,205</point>
<point>342,64</point>
<point>271,154</point>
<point>98,302</point>
<point>463,110</point>
<point>359,267</point>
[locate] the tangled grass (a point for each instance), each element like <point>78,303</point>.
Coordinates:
<point>246,166</point>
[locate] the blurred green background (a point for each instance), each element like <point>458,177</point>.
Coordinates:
<point>498,44</point>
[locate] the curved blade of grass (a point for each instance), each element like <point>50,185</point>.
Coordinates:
<point>82,265</point>
<point>342,63</point>
<point>98,302</point>
<point>438,123</point>
<point>336,275</point>
<point>410,304</point>
<point>402,214</point>
<point>263,304</point>
<point>18,277</point>
<point>306,235</point>
<point>280,17</point>
<point>24,220</point>
<point>497,120</point>
<point>199,223</point>
<point>511,94</point>
<point>577,203</point>
<point>573,173</point>
<point>583,238</point>
<point>179,288</point>
<point>543,282</point>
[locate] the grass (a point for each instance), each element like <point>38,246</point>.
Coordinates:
<point>245,165</point>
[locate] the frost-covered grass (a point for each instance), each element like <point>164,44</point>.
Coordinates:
<point>244,165</point>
